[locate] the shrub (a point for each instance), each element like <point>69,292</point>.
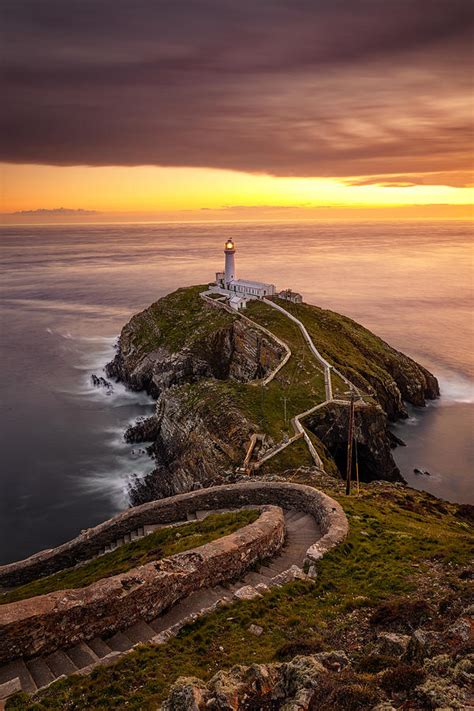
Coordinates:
<point>402,678</point>
<point>466,512</point>
<point>344,691</point>
<point>402,615</point>
<point>301,645</point>
<point>375,663</point>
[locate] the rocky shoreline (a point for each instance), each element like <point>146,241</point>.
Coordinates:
<point>196,360</point>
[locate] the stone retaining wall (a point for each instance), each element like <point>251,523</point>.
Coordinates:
<point>327,512</point>
<point>47,622</point>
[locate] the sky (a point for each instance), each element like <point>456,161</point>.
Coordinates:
<point>226,109</point>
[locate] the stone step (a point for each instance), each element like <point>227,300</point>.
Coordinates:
<point>7,688</point>
<point>200,515</point>
<point>272,570</point>
<point>127,538</point>
<point>60,663</point>
<point>193,603</point>
<point>303,524</point>
<point>119,542</point>
<point>119,642</point>
<point>100,647</point>
<point>256,578</point>
<point>40,672</point>
<point>134,535</point>
<point>293,514</point>
<point>151,528</point>
<point>82,655</point>
<point>302,541</point>
<point>140,632</point>
<point>18,669</point>
<point>298,526</point>
<point>232,587</point>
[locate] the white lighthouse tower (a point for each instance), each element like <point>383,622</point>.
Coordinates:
<point>229,251</point>
<point>237,291</point>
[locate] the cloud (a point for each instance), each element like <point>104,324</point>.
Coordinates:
<point>296,87</point>
<point>55,212</point>
<point>453,179</point>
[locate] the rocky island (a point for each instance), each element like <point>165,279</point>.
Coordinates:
<point>210,371</point>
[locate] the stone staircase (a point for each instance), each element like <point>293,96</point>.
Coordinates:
<point>151,528</point>
<point>32,674</point>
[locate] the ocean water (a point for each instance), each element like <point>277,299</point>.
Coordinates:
<point>67,291</point>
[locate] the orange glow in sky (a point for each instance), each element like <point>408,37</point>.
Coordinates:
<point>178,192</point>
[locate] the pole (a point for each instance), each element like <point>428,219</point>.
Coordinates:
<point>350,438</point>
<point>357,465</point>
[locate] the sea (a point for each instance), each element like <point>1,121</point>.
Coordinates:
<point>68,289</point>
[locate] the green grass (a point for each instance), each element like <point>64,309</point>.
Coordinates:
<point>162,543</point>
<point>177,320</point>
<point>363,571</point>
<point>294,456</point>
<point>359,354</point>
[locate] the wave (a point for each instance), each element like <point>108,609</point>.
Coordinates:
<point>89,355</point>
<point>114,477</point>
<point>115,396</point>
<point>121,461</point>
<point>455,389</point>
<point>73,307</point>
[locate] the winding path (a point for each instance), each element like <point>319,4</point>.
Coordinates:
<point>29,675</point>
<point>298,427</point>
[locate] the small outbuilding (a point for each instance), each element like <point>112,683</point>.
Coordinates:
<point>289,295</point>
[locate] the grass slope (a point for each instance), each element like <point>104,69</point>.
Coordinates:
<point>162,543</point>
<point>180,319</point>
<point>397,539</point>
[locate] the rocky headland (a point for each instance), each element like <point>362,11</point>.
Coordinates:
<point>206,366</point>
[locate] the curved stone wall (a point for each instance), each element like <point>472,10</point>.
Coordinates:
<point>327,512</point>
<point>42,624</point>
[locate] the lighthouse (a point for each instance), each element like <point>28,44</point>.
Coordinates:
<point>229,252</point>
<point>237,291</point>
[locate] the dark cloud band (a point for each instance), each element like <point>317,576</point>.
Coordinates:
<point>315,87</point>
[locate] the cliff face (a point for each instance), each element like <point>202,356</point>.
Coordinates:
<point>195,441</point>
<point>223,348</point>
<point>395,379</point>
<point>201,364</point>
<point>330,425</point>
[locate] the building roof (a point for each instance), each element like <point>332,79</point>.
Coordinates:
<point>251,284</point>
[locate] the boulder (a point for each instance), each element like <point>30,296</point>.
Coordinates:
<point>247,592</point>
<point>392,644</point>
<point>422,644</point>
<point>335,660</point>
<point>187,694</point>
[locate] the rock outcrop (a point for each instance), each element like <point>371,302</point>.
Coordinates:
<point>330,425</point>
<point>223,348</point>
